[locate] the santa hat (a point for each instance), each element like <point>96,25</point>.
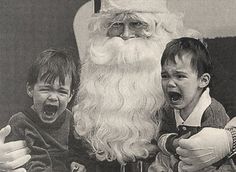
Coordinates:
<point>212,18</point>
<point>112,6</point>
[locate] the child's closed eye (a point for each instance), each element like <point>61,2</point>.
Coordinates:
<point>164,76</point>
<point>181,76</point>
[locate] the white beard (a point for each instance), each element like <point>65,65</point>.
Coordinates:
<point>119,94</point>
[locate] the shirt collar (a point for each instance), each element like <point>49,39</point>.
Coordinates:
<point>195,117</point>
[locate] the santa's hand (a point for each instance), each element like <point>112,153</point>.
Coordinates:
<point>204,148</point>
<point>176,141</point>
<point>144,149</point>
<point>12,154</point>
<point>231,123</point>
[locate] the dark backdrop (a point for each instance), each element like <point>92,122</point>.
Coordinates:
<point>29,26</point>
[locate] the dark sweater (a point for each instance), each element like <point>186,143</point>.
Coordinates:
<point>214,116</point>
<point>48,142</point>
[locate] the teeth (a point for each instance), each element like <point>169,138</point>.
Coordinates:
<point>49,113</point>
<point>50,110</point>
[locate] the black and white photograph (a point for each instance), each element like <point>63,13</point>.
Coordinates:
<point>117,86</point>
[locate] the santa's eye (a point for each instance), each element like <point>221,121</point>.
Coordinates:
<point>117,25</point>
<point>138,25</point>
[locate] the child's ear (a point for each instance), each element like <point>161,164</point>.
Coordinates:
<point>204,80</point>
<point>29,90</point>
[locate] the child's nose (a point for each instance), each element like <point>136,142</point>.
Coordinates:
<point>53,96</point>
<point>171,83</point>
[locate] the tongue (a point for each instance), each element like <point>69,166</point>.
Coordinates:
<point>175,96</point>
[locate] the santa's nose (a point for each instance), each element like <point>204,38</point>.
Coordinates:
<point>127,33</point>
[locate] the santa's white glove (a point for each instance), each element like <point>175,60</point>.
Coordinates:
<point>231,123</point>
<point>204,148</point>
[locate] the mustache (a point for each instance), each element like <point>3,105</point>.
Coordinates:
<point>110,51</point>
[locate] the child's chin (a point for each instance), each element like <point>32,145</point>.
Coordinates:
<point>45,118</point>
<point>176,105</point>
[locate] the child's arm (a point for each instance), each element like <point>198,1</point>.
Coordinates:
<point>79,152</point>
<point>169,143</point>
<point>168,130</point>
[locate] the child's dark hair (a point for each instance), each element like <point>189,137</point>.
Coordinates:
<point>200,58</point>
<point>53,63</point>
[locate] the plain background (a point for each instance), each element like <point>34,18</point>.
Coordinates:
<point>27,27</point>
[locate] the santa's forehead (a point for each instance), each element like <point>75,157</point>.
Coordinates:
<point>128,16</point>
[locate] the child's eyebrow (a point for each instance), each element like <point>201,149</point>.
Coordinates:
<point>45,85</point>
<point>163,72</point>
<point>63,88</point>
<point>180,72</point>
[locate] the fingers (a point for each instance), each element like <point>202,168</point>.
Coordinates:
<point>19,170</point>
<point>185,144</point>
<point>186,167</point>
<point>183,152</point>
<point>190,168</point>
<point>187,161</point>
<point>13,146</point>
<point>82,169</point>
<point>16,170</point>
<point>152,149</point>
<point>15,164</point>
<point>4,132</point>
<point>185,136</point>
<point>14,155</point>
<point>231,123</point>
<point>77,167</point>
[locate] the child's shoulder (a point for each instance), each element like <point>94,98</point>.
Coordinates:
<point>215,115</point>
<point>216,106</point>
<point>19,121</point>
<point>17,117</point>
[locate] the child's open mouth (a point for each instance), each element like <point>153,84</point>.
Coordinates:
<point>174,97</point>
<point>50,110</point>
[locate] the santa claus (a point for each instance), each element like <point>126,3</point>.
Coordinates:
<point>120,92</point>
<point>120,89</point>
